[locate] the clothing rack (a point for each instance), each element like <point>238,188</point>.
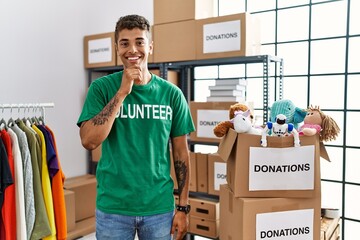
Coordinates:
<point>34,106</point>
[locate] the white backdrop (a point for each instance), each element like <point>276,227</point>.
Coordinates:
<point>41,60</point>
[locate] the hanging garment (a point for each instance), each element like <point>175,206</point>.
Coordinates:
<point>9,205</point>
<point>57,187</point>
<point>28,180</point>
<point>58,194</point>
<point>41,226</point>
<point>19,187</point>
<point>5,181</point>
<point>46,186</point>
<point>52,161</point>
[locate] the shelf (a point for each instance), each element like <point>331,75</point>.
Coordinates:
<point>230,60</point>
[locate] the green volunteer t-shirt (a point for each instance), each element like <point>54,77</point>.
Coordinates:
<point>133,173</point>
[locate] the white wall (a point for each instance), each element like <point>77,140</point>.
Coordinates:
<point>41,60</point>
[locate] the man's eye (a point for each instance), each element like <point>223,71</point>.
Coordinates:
<point>123,44</point>
<point>141,43</point>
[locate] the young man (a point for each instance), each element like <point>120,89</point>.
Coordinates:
<point>133,114</point>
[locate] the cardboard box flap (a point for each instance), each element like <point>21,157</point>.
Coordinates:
<point>323,152</point>
<point>226,144</point>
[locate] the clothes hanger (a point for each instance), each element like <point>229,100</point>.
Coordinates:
<point>34,119</point>
<point>11,121</point>
<point>3,124</point>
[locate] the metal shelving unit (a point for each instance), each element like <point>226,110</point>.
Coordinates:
<point>187,74</point>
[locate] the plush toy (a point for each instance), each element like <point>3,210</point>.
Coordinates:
<point>243,122</point>
<point>281,129</point>
<point>317,122</point>
<point>294,115</point>
<point>223,127</point>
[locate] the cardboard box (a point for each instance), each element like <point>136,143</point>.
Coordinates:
<point>172,76</point>
<point>279,170</point>
<point>262,218</point>
<point>99,50</point>
<point>82,228</point>
<point>205,209</point>
<point>206,115</point>
<point>201,172</point>
<point>166,11</point>
<point>174,41</point>
<point>330,228</point>
<point>84,188</point>
<point>69,197</point>
<point>216,173</point>
<point>228,36</point>
<point>204,227</point>
<point>193,172</point>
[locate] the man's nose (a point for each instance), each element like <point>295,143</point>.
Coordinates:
<point>132,48</point>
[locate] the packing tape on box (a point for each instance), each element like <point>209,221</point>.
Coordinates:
<point>331,212</point>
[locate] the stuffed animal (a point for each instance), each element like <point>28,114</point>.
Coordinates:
<point>317,122</point>
<point>223,127</point>
<point>243,122</point>
<point>294,115</point>
<point>279,128</point>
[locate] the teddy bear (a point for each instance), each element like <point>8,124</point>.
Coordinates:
<point>317,122</point>
<point>223,127</point>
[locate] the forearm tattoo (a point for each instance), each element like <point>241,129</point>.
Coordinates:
<point>104,115</point>
<point>181,173</point>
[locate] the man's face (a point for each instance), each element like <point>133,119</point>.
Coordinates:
<point>133,47</point>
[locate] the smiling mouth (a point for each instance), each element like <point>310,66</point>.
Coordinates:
<point>133,58</point>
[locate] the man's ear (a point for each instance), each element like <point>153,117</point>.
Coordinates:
<point>151,46</point>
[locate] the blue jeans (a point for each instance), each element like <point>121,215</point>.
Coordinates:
<point>122,227</point>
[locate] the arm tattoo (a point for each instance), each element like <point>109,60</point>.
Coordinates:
<point>103,116</point>
<point>180,171</point>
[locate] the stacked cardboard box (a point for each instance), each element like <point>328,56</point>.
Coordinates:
<point>206,116</point>
<point>228,90</point>
<point>80,199</point>
<point>271,192</point>
<point>204,217</point>
<point>174,27</point>
<point>187,30</point>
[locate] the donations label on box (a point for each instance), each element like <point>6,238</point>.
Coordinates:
<point>207,120</point>
<point>100,50</point>
<point>286,225</point>
<point>222,37</point>
<point>281,168</point>
<point>219,174</point>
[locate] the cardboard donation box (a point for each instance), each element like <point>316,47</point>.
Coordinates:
<point>204,217</point>
<point>228,36</point>
<point>99,50</point>
<point>166,11</point>
<point>174,41</point>
<point>216,173</point>
<point>204,227</point>
<point>279,170</point>
<point>268,218</point>
<point>172,76</point>
<point>201,172</point>
<point>84,188</point>
<point>69,197</point>
<point>206,115</point>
